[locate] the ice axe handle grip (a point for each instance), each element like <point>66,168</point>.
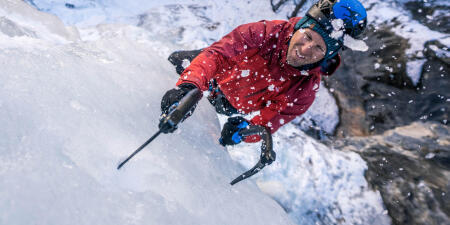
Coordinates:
<point>174,117</point>
<point>266,150</point>
<point>263,132</point>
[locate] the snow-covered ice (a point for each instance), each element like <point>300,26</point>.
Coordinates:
<point>72,109</point>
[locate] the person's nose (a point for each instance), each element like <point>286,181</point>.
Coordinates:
<point>307,49</point>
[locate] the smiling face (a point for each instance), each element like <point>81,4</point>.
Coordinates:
<point>306,47</point>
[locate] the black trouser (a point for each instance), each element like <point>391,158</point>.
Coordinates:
<point>216,98</point>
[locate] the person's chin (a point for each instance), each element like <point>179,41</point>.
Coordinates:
<point>297,64</point>
<point>294,63</point>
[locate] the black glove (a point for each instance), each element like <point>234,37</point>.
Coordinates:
<point>268,158</point>
<point>230,131</point>
<point>169,100</point>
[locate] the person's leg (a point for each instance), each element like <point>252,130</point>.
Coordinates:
<point>222,105</point>
<point>177,57</point>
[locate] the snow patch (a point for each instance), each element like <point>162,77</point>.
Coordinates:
<point>338,26</point>
<point>329,183</point>
<point>355,44</point>
<point>414,70</point>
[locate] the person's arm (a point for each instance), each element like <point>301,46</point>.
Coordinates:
<point>224,53</point>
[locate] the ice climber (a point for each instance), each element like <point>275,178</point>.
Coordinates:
<point>270,67</point>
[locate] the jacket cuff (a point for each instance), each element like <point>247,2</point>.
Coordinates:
<point>179,83</point>
<point>252,139</point>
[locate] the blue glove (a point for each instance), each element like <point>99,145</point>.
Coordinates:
<point>230,132</point>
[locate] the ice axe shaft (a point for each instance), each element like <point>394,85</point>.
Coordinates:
<point>171,119</point>
<point>139,149</point>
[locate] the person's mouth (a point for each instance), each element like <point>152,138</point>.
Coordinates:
<point>298,54</point>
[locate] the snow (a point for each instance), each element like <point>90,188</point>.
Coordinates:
<point>414,70</point>
<point>324,111</point>
<point>185,63</point>
<point>350,42</point>
<point>75,108</point>
<point>441,53</point>
<point>245,73</point>
<point>355,44</point>
<point>19,19</point>
<point>88,13</point>
<point>72,110</point>
<point>338,26</point>
<point>192,24</point>
<point>314,183</point>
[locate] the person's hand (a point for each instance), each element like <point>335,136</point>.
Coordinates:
<point>267,158</point>
<point>170,100</point>
<point>230,131</point>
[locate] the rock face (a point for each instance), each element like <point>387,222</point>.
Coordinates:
<point>433,14</point>
<point>375,93</point>
<point>410,166</point>
<point>373,90</point>
<point>381,95</point>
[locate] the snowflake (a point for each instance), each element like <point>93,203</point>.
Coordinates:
<point>316,87</point>
<point>185,63</point>
<point>376,65</point>
<point>245,73</point>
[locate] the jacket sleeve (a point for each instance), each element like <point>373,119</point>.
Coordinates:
<point>224,53</point>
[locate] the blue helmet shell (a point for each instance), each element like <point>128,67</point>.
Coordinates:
<point>352,12</point>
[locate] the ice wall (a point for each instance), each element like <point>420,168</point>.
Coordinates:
<point>71,110</point>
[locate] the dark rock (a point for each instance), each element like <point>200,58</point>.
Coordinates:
<point>374,92</point>
<point>434,50</point>
<point>410,167</point>
<point>70,6</point>
<point>433,14</point>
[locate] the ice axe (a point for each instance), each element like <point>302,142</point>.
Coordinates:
<point>176,114</point>
<point>267,154</point>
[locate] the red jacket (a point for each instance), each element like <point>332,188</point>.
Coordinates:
<point>249,66</point>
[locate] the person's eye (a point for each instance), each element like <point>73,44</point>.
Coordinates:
<point>320,49</point>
